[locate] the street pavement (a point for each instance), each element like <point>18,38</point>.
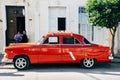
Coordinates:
<point>103,71</point>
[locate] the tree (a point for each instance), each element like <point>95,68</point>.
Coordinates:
<point>105,13</point>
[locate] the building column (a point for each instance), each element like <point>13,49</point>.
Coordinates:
<point>37,21</point>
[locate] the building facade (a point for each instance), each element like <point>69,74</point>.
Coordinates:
<point>38,17</point>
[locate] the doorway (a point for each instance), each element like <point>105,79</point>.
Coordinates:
<point>15,22</point>
<point>20,24</point>
<point>61,24</point>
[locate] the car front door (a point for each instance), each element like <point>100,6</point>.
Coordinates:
<point>50,50</point>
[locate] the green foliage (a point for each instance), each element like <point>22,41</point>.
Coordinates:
<point>104,13</point>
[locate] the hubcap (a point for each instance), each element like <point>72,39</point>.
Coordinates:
<point>88,62</point>
<point>20,63</point>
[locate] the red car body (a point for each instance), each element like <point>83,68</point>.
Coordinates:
<point>60,47</point>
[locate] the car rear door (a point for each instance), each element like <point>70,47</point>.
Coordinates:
<point>72,50</point>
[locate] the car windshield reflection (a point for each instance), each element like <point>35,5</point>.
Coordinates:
<point>41,40</point>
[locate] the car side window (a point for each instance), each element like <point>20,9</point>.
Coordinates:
<point>70,40</point>
<point>51,40</point>
<point>86,41</point>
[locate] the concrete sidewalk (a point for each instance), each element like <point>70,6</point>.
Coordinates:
<point>1,57</point>
<point>116,59</point>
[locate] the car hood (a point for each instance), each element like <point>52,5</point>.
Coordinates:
<point>22,44</point>
<point>15,46</point>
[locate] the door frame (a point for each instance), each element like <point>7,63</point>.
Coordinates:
<point>14,16</point>
<point>5,19</point>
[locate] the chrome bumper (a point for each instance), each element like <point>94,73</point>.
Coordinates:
<point>5,60</point>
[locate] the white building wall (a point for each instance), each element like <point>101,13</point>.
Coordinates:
<point>1,30</point>
<point>73,18</point>
<point>53,17</point>
<point>37,16</point>
<point>30,9</point>
<point>101,36</point>
<point>29,17</point>
<point>70,10</point>
<point>53,8</point>
<point>43,7</point>
<point>37,21</point>
<point>3,24</point>
<point>118,39</point>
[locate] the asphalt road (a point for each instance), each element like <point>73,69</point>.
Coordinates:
<point>103,71</point>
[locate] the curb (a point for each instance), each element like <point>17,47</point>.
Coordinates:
<point>116,60</point>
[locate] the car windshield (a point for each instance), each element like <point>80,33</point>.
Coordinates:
<point>86,41</point>
<point>41,40</point>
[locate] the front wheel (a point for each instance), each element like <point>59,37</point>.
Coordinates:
<point>21,62</point>
<point>88,63</point>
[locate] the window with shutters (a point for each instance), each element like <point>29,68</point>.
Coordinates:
<point>84,28</point>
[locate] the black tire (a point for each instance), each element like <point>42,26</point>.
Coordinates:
<point>21,62</point>
<point>88,63</point>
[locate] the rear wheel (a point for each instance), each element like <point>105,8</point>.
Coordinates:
<point>88,63</point>
<point>21,62</point>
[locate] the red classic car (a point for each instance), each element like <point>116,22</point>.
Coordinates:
<point>59,47</point>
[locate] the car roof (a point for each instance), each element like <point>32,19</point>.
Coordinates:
<point>63,34</point>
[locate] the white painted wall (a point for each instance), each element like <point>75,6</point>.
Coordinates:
<point>43,7</point>
<point>38,14</point>
<point>53,14</point>
<point>52,10</point>
<point>37,21</point>
<point>101,36</point>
